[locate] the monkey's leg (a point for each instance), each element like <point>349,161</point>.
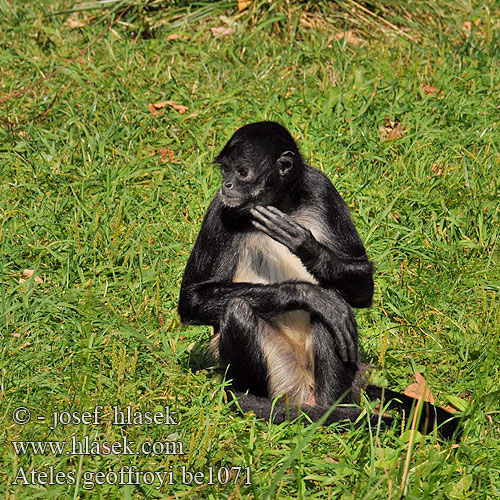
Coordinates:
<point>239,347</point>
<point>268,358</point>
<point>241,333</point>
<point>334,378</point>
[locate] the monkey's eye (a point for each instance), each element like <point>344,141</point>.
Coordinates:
<point>224,169</point>
<point>243,172</point>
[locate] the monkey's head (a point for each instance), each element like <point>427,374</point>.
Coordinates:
<point>259,165</point>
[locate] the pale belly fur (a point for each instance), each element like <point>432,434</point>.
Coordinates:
<point>286,340</point>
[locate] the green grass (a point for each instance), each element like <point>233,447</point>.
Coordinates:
<point>87,203</point>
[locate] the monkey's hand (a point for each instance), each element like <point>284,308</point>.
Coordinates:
<point>337,315</point>
<point>282,228</point>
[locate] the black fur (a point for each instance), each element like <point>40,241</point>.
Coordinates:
<point>267,189</point>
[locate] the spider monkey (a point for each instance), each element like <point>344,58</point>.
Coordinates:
<point>276,269</point>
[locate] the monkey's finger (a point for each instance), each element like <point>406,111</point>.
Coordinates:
<point>277,220</point>
<point>341,344</point>
<point>267,231</point>
<point>342,349</point>
<point>270,224</point>
<point>270,208</point>
<point>279,213</point>
<point>274,209</point>
<point>351,346</point>
<point>280,233</point>
<point>351,325</point>
<point>284,217</point>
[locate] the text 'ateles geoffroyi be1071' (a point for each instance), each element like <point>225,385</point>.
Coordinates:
<point>276,269</point>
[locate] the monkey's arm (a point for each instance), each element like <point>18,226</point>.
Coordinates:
<point>204,304</point>
<point>207,287</point>
<point>345,270</point>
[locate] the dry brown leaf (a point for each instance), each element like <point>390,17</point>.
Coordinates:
<point>152,109</point>
<point>74,22</point>
<point>243,4</point>
<point>416,390</point>
<point>467,26</point>
<point>391,130</point>
<point>159,105</point>
<point>221,31</point>
<point>450,408</point>
<point>350,37</point>
<point>178,107</point>
<point>28,273</point>
<point>177,36</point>
<point>166,155</point>
<point>429,89</point>
<point>437,169</point>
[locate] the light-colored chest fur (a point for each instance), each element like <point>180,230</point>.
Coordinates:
<point>263,260</point>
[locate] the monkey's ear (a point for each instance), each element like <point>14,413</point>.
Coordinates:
<point>285,162</point>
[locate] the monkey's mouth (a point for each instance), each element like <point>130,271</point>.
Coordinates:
<point>232,201</point>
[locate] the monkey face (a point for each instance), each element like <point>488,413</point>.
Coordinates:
<point>237,184</point>
<point>244,187</point>
<point>257,165</point>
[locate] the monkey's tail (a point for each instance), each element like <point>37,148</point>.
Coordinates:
<point>447,424</point>
<point>279,412</point>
